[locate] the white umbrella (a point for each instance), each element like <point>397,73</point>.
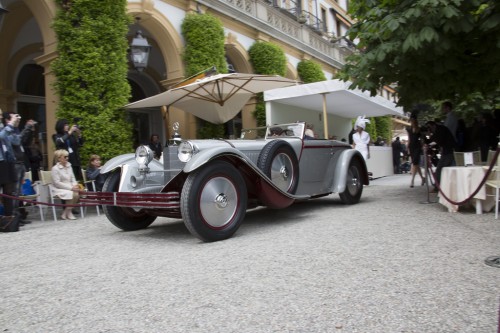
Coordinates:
<point>216,98</point>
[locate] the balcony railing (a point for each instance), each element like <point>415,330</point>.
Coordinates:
<point>284,21</point>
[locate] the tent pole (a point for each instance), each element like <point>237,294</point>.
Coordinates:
<point>325,119</point>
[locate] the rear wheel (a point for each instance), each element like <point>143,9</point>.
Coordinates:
<point>214,201</point>
<point>124,218</point>
<point>279,162</point>
<point>354,184</point>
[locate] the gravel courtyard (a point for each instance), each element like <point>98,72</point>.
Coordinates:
<point>388,264</point>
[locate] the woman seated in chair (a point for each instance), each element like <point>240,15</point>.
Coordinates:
<point>64,184</point>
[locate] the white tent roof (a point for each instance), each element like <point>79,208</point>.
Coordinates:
<point>339,99</point>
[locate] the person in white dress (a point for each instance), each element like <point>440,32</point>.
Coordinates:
<point>64,184</point>
<point>361,138</point>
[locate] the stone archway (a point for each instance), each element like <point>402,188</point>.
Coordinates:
<point>161,29</point>
<point>239,58</point>
<point>237,54</point>
<point>168,46</point>
<point>291,72</point>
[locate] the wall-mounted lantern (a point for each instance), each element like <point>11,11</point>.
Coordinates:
<point>139,51</point>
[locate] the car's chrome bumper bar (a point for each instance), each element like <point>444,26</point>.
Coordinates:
<point>169,200</point>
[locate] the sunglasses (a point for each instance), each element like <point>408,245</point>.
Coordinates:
<point>66,156</point>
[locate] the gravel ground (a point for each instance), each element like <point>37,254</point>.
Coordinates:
<point>388,264</point>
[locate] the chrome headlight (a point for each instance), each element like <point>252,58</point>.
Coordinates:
<point>185,151</point>
<point>143,155</point>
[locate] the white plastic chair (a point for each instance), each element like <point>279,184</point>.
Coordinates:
<point>33,197</point>
<point>46,179</point>
<point>494,183</point>
<point>90,182</point>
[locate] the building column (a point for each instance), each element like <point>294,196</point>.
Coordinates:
<point>51,101</point>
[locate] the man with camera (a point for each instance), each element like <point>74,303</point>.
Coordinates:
<point>15,152</point>
<point>70,138</point>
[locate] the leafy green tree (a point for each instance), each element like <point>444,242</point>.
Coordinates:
<point>430,49</point>
<point>310,71</point>
<point>91,73</point>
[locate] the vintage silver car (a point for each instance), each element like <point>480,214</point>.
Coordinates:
<point>211,183</point>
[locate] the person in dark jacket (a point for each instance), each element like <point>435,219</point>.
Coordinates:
<point>70,139</point>
<point>93,172</point>
<point>17,155</point>
<point>156,146</point>
<point>397,149</point>
<point>442,136</point>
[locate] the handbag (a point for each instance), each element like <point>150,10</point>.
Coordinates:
<point>9,223</point>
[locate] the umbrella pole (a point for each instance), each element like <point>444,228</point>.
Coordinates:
<point>164,111</point>
<point>325,120</point>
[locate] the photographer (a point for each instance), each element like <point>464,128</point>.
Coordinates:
<point>70,139</point>
<point>14,151</point>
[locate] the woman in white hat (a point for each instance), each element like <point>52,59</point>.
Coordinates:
<point>361,138</point>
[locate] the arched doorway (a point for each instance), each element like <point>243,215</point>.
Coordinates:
<point>30,85</point>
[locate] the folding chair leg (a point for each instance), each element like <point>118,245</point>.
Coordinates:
<point>41,213</point>
<point>496,203</point>
<point>54,212</point>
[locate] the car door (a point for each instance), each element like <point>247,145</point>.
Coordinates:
<point>313,165</point>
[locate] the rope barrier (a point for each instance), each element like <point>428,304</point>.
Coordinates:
<point>49,204</point>
<point>485,178</point>
<point>114,200</point>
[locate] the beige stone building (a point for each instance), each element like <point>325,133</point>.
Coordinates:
<point>304,29</point>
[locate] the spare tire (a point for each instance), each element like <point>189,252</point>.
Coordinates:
<point>279,162</point>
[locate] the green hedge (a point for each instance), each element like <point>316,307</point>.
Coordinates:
<point>310,71</point>
<point>91,73</point>
<point>268,59</point>
<point>204,36</point>
<point>384,128</point>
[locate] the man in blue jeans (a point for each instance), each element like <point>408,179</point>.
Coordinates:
<point>15,140</point>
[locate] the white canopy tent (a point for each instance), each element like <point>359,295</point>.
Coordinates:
<point>327,98</point>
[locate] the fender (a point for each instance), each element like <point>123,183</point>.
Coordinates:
<point>270,194</point>
<point>207,155</point>
<point>342,166</point>
<point>119,161</point>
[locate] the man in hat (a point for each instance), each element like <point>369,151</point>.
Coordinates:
<point>361,138</point>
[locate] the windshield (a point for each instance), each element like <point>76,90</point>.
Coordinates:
<point>268,132</point>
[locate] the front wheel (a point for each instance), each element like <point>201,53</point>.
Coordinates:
<point>214,201</point>
<point>354,184</point>
<point>124,218</point>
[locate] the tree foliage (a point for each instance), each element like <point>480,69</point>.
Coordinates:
<point>429,49</point>
<point>310,71</point>
<point>91,73</point>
